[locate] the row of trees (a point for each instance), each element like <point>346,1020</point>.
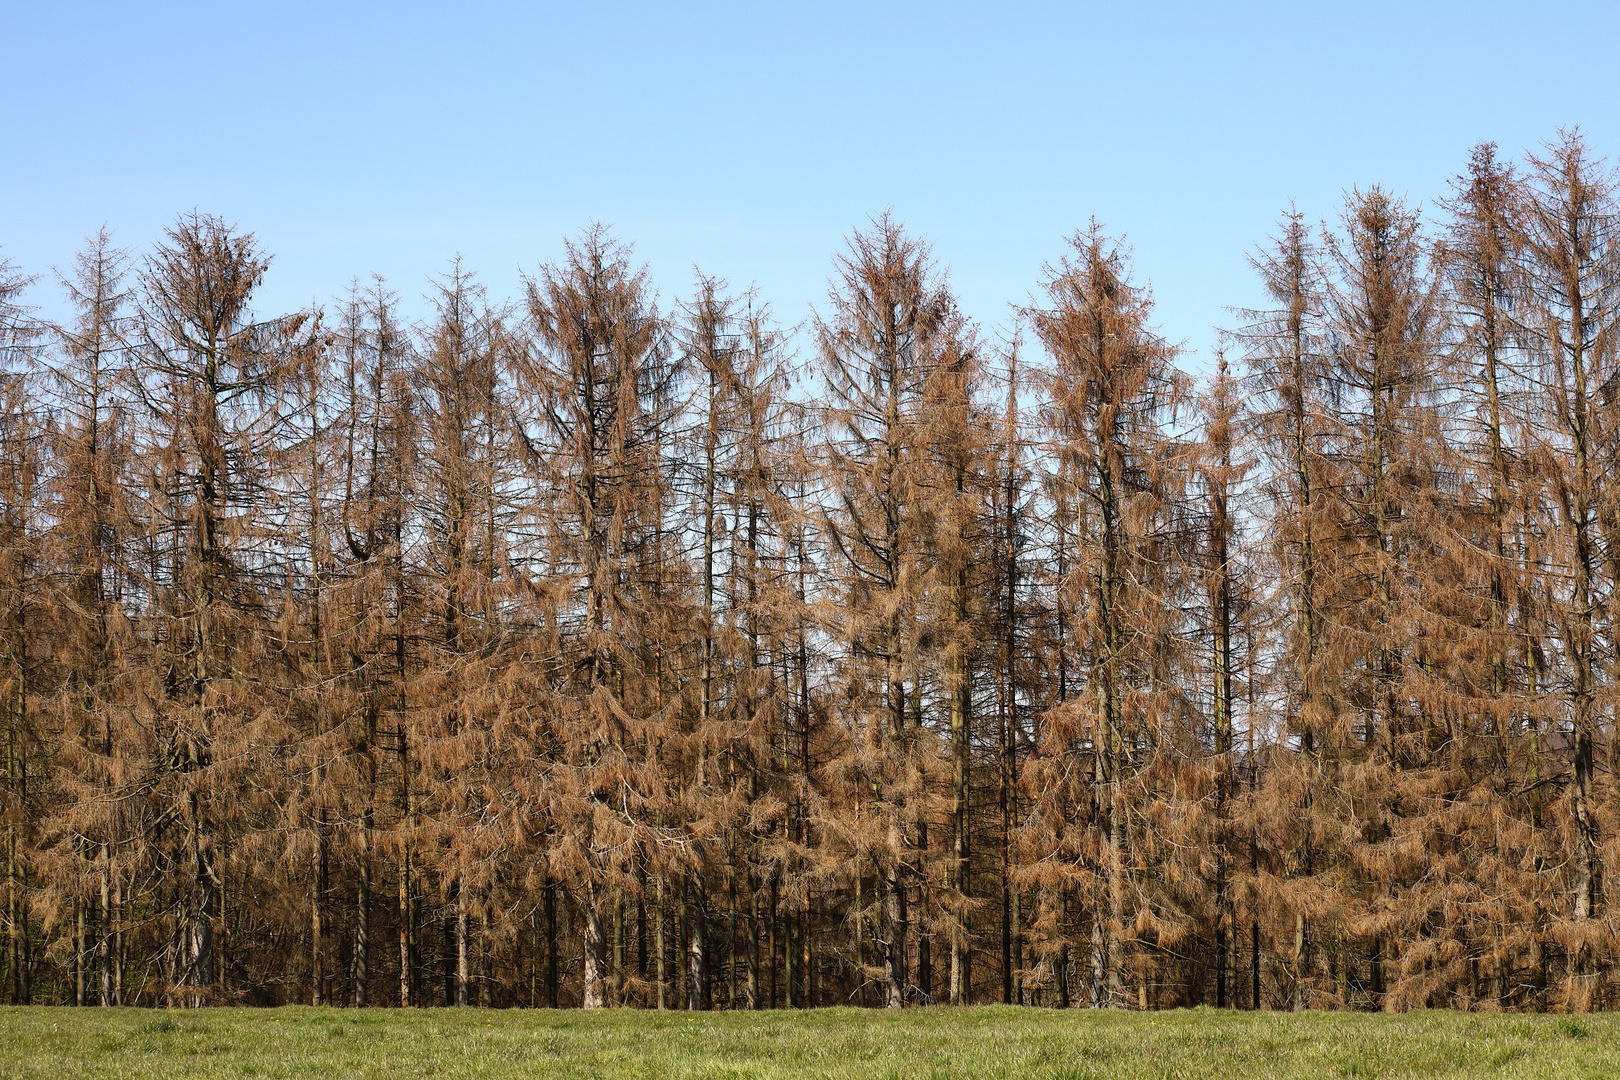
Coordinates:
<point>575,651</point>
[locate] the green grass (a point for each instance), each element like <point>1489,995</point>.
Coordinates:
<point>868,1045</point>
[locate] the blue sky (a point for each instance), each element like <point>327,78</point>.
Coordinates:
<point>749,139</point>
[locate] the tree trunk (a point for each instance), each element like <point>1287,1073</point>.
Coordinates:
<point>596,953</point>
<point>895,948</point>
<point>463,947</point>
<point>697,991</point>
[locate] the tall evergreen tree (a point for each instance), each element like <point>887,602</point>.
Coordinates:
<point>880,343</point>
<point>598,378</point>
<point>1113,391</point>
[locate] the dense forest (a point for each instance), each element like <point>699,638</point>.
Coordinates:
<point>577,650</point>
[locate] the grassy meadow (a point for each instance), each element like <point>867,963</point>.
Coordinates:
<point>58,1043</point>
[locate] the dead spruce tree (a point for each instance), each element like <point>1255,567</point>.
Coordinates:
<point>376,446</point>
<point>1569,320</point>
<point>1226,610</point>
<point>19,439</point>
<point>959,439</point>
<point>89,550</point>
<point>1111,392</point>
<point>1480,261</point>
<point>208,374</point>
<point>1387,621</point>
<point>1284,352</point>
<point>596,381</point>
<point>880,342</point>
<point>22,618</point>
<point>726,774</point>
<point>466,806</point>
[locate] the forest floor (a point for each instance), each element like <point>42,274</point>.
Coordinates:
<point>865,1044</point>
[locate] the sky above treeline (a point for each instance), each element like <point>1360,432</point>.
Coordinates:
<point>749,139</point>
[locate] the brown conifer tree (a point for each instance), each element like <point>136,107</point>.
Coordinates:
<point>880,344</point>
<point>375,444</point>
<point>208,373</point>
<point>1381,319</point>
<point>1483,844</point>
<point>1569,321</point>
<point>99,764</point>
<point>1284,354</point>
<point>1112,389</point>
<point>1226,611</point>
<point>26,738</point>
<point>959,440</point>
<point>597,381</point>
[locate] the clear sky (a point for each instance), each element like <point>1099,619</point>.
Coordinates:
<point>749,139</point>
